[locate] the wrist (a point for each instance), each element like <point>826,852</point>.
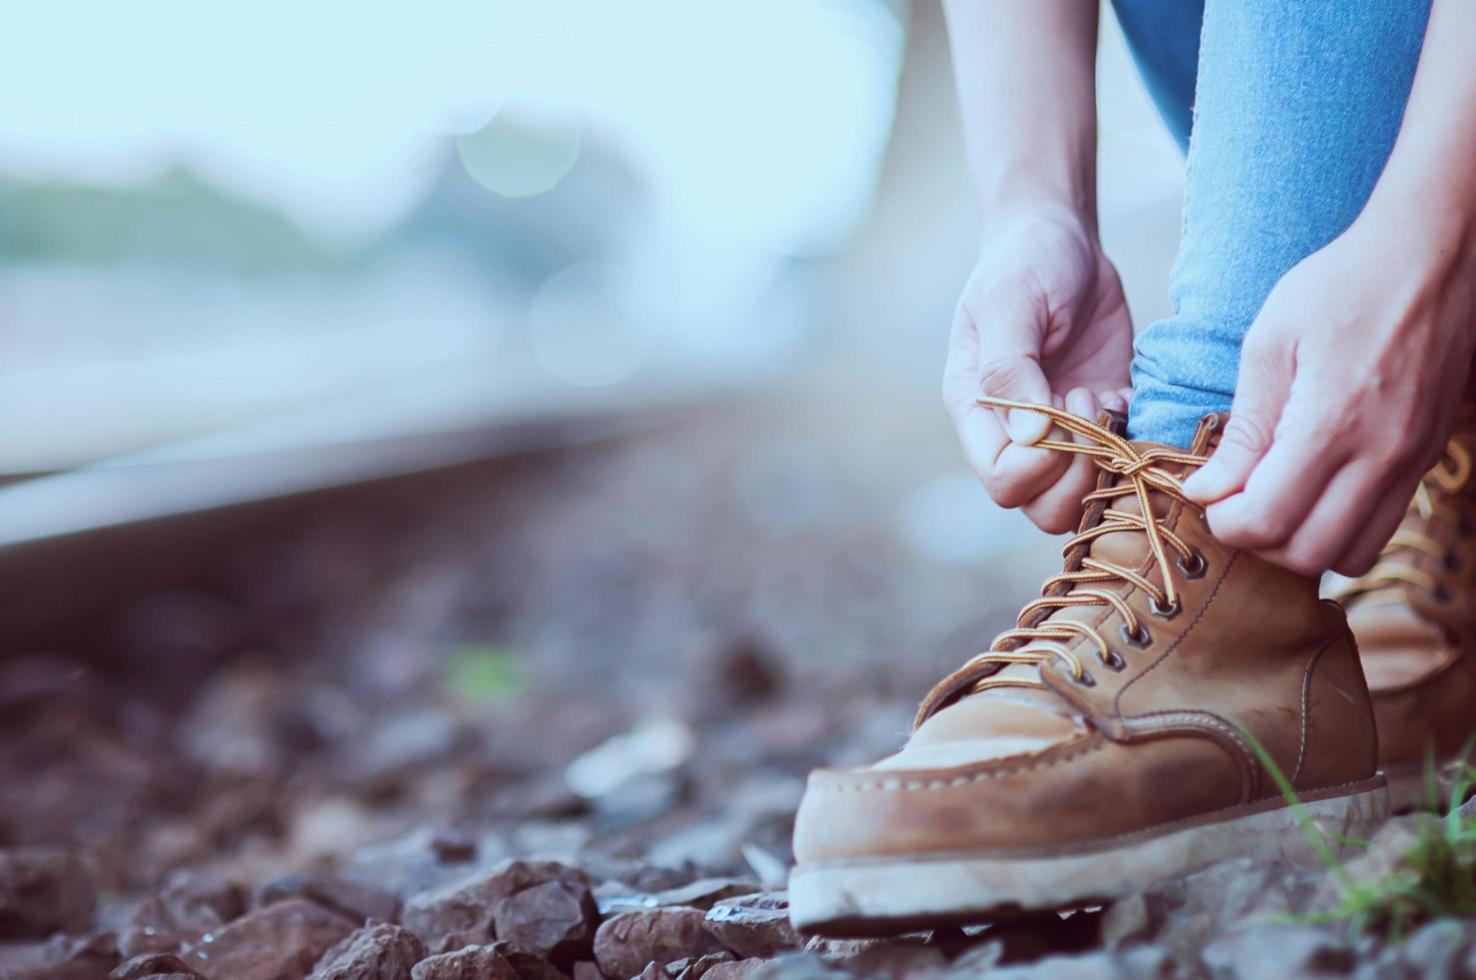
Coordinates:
<point>1008,192</point>
<point>1431,223</point>
<point>1025,212</point>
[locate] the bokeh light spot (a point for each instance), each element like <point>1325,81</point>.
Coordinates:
<point>519,157</point>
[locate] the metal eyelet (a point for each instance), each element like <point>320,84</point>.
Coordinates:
<point>1165,612</point>
<point>1086,680</point>
<point>1452,560</point>
<point>1442,594</point>
<point>1194,566</point>
<point>1140,639</point>
<point>1112,660</point>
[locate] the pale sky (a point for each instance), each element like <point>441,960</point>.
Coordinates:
<point>758,121</point>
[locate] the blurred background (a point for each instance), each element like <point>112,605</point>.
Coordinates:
<point>401,407</point>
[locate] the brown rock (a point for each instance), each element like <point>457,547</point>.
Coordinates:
<point>201,901</point>
<point>736,970</point>
<point>754,925</point>
<point>152,965</point>
<point>58,971</point>
<point>453,847</point>
<point>408,865</point>
<point>586,970</point>
<point>350,899</point>
<point>530,967</point>
<point>748,673</point>
<point>627,942</point>
<point>470,963</point>
<point>44,890</point>
<point>552,920</point>
<point>464,911</point>
<point>377,952</point>
<point>95,953</point>
<point>143,938</point>
<point>695,968</point>
<point>278,942</point>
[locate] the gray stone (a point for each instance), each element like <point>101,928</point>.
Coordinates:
<point>705,892</point>
<point>1272,952</point>
<point>754,925</point>
<point>1141,963</point>
<point>787,966</point>
<point>1387,853</point>
<point>1187,913</point>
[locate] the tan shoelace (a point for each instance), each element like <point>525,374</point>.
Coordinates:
<point>1142,473</point>
<point>1385,581</point>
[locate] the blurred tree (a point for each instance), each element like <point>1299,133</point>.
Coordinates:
<point>175,219</point>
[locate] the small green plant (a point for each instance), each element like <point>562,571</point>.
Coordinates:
<point>484,674</point>
<point>1436,877</point>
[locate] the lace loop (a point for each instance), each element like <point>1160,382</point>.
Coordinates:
<point>1141,472</point>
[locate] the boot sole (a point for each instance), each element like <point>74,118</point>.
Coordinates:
<point>1409,786</point>
<point>905,893</point>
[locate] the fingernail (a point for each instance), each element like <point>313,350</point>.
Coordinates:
<point>1080,401</point>
<point>1026,428</point>
<point>1200,485</point>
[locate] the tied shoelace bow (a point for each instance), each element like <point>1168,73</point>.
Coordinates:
<point>1036,638</point>
<point>1393,571</point>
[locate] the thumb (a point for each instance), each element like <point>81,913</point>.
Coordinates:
<point>1009,367</point>
<point>1261,391</point>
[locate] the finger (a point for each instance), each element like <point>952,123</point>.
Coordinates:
<point>1013,474</point>
<point>1057,508</point>
<point>1339,516</point>
<point>1009,364</point>
<point>1262,388</point>
<point>1080,401</point>
<point>1113,401</point>
<point>1368,543</point>
<point>1285,485</point>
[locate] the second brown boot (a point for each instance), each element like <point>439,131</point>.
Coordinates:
<point>1414,617</point>
<point>1111,739</point>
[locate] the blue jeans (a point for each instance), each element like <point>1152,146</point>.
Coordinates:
<point>1287,110</point>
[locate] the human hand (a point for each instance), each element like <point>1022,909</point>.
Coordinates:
<point>1042,319</point>
<point>1349,381</point>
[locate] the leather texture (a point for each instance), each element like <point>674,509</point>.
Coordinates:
<point>1148,739</point>
<point>1418,642</point>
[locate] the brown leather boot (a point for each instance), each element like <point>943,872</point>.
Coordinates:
<point>1414,616</point>
<point>1101,745</point>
